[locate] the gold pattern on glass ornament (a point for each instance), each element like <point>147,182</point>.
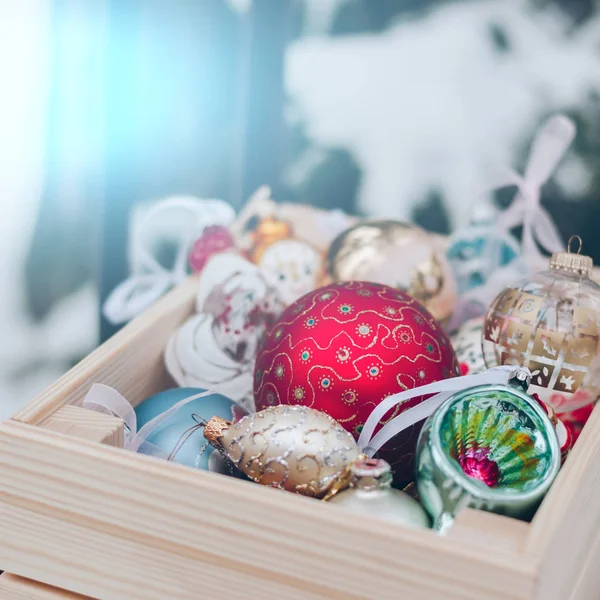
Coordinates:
<point>547,343</point>
<point>506,300</point>
<point>581,350</point>
<point>509,358</point>
<point>541,373</point>
<point>527,307</point>
<point>493,328</point>
<point>569,380</point>
<point>585,320</point>
<point>560,309</point>
<point>517,336</point>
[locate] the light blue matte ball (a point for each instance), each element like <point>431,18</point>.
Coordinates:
<point>172,431</point>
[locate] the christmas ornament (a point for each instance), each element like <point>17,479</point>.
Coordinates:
<point>399,255</point>
<point>491,447</point>
<point>314,226</point>
<point>168,423</point>
<point>550,323</point>
<point>370,493</point>
<point>214,240</point>
<point>175,221</point>
<point>467,345</point>
<point>575,420</point>
<point>476,252</point>
<point>217,346</point>
<point>179,436</point>
<point>292,448</point>
<point>289,264</point>
<point>564,435</point>
<point>346,346</point>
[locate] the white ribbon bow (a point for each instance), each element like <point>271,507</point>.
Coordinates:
<point>550,144</point>
<point>150,280</point>
<point>370,442</point>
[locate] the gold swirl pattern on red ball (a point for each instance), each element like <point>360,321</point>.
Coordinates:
<point>345,347</point>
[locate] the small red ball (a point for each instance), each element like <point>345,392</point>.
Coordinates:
<point>345,347</point>
<point>215,239</point>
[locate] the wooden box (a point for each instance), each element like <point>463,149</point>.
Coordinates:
<point>79,513</point>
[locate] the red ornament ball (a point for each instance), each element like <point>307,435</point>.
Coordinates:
<point>215,239</point>
<point>345,347</point>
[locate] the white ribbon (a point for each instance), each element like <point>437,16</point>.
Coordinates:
<point>193,358</point>
<point>103,398</point>
<point>150,280</point>
<point>550,144</point>
<point>370,442</point>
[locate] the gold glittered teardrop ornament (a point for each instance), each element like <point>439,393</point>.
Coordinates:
<point>294,448</point>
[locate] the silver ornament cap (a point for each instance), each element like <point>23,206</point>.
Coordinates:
<point>371,474</point>
<point>572,262</point>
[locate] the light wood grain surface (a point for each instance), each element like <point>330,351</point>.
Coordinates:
<point>566,525</point>
<point>166,529</point>
<point>18,588</point>
<point>588,585</point>
<point>87,424</point>
<point>479,529</point>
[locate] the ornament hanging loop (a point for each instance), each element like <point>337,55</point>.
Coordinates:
<point>580,246</point>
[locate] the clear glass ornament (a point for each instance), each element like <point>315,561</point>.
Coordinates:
<point>550,323</point>
<point>370,493</point>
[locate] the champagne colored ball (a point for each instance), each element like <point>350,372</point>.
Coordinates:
<point>397,254</point>
<point>293,448</point>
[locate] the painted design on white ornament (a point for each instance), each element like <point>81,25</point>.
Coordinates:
<point>216,347</point>
<point>291,267</point>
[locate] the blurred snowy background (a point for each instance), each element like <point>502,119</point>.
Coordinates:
<point>385,107</point>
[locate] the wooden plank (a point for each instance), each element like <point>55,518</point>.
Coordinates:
<point>138,570</point>
<point>487,530</point>
<point>87,424</point>
<point>588,586</point>
<point>131,361</point>
<point>19,588</point>
<point>84,516</point>
<point>564,529</point>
